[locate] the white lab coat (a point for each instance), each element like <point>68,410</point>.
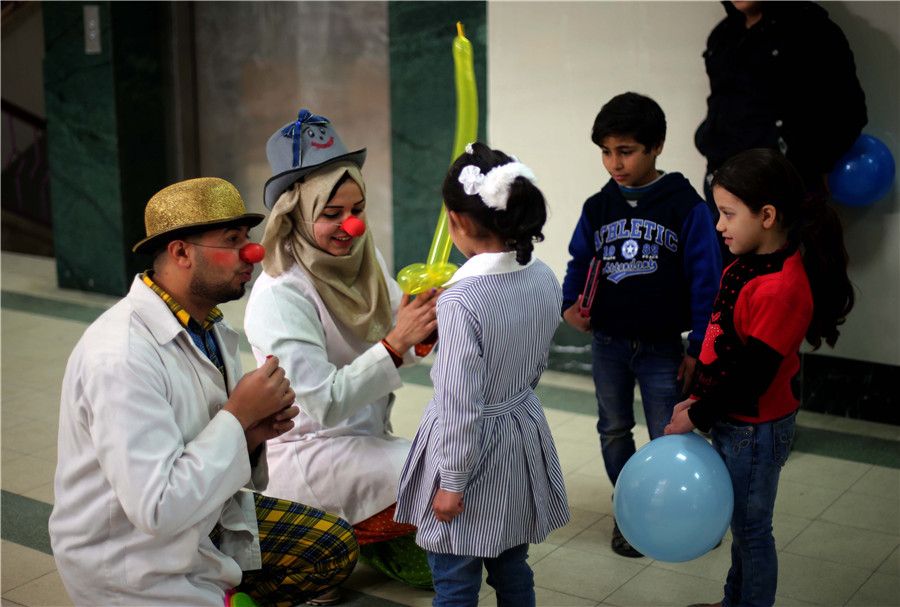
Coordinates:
<point>340,456</point>
<point>148,465</point>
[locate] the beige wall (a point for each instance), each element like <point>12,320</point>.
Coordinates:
<point>551,66</point>
<point>259,63</point>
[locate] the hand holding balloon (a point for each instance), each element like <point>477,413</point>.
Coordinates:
<point>416,320</point>
<point>681,422</point>
<point>436,271</point>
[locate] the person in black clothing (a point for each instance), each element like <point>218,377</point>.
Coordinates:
<point>782,76</point>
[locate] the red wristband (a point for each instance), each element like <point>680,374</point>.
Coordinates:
<point>398,360</point>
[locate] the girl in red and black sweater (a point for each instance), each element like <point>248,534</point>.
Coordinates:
<point>789,282</point>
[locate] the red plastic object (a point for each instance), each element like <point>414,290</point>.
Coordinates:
<point>252,253</point>
<point>424,348</point>
<point>590,288</point>
<point>354,226</point>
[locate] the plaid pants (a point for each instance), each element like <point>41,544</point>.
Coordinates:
<point>305,552</point>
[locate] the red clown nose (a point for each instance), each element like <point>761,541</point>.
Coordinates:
<point>354,226</point>
<point>252,253</point>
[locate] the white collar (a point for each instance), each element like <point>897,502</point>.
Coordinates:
<point>484,264</point>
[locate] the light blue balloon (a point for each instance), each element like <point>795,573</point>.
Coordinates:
<point>673,499</point>
<point>864,174</point>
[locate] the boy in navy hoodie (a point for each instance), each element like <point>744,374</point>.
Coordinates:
<point>653,242</point>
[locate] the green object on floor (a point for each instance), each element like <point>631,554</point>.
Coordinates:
<point>241,599</point>
<point>400,559</point>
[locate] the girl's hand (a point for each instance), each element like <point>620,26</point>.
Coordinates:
<point>574,317</point>
<point>416,320</point>
<point>681,423</point>
<point>447,505</point>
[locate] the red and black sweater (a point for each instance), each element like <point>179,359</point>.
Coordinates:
<point>749,361</point>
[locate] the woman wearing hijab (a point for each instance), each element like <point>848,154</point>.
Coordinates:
<point>327,307</point>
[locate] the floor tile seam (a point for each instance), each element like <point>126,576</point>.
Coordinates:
<point>643,565</point>
<point>55,298</point>
<point>246,347</point>
<point>26,582</point>
<point>568,594</point>
<point>844,491</point>
<point>860,528</point>
<point>842,564</point>
<point>31,454</point>
<point>861,585</point>
<point>819,518</point>
<point>52,573</point>
<point>652,565</point>
<point>781,589</point>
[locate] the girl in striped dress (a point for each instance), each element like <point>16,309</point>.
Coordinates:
<point>482,480</point>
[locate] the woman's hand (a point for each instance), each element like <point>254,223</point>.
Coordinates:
<point>447,505</point>
<point>681,423</point>
<point>416,320</point>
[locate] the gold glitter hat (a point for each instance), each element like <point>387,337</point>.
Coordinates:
<point>192,206</point>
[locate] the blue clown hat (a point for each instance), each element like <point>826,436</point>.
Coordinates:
<point>301,147</point>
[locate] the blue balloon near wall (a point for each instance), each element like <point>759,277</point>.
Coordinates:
<point>673,499</point>
<point>864,174</point>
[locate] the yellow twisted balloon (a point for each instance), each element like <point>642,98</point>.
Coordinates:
<point>419,277</point>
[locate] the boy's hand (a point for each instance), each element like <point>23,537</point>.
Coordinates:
<point>259,394</point>
<point>447,505</point>
<point>574,317</point>
<point>686,372</point>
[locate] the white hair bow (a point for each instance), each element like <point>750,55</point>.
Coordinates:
<point>493,188</point>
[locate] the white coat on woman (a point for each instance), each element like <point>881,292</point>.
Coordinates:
<point>341,455</point>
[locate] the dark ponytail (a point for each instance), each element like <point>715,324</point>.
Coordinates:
<point>825,260</point>
<point>762,176</point>
<point>520,224</point>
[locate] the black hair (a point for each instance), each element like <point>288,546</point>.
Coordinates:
<point>631,115</point>
<point>759,177</point>
<point>520,224</point>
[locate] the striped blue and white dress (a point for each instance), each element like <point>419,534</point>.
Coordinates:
<point>484,432</point>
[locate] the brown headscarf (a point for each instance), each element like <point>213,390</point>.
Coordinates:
<point>352,286</point>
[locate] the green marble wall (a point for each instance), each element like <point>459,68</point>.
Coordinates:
<point>106,144</point>
<point>423,112</point>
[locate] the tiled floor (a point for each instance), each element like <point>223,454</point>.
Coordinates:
<point>837,522</point>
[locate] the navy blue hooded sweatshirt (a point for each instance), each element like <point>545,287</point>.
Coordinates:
<point>660,262</point>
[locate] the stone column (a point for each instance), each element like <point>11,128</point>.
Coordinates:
<point>105,132</point>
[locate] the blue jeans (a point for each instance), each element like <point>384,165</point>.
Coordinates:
<point>617,363</point>
<point>754,455</point>
<point>457,579</point>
